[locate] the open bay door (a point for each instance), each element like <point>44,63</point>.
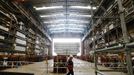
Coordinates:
<point>66,46</point>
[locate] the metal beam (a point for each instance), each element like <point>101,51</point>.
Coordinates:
<point>111,49</point>
<point>130,45</point>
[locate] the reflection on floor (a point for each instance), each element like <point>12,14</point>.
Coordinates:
<point>41,68</point>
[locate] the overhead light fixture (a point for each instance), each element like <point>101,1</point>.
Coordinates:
<point>45,8</point>
<point>76,22</point>
<point>79,15</point>
<point>94,8</point>
<point>82,7</point>
<point>53,15</point>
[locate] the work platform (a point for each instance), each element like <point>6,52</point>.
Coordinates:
<point>42,68</point>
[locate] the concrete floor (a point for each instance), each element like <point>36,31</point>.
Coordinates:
<point>41,68</point>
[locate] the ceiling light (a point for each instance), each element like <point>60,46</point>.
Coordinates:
<point>54,22</point>
<point>79,15</point>
<point>45,8</point>
<point>82,7</point>
<point>53,15</point>
<point>94,7</point>
<point>76,22</point>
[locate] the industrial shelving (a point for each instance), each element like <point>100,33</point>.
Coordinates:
<point>20,41</point>
<point>7,29</point>
<point>112,31</point>
<point>41,45</point>
<point>18,33</point>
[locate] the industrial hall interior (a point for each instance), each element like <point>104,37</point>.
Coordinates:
<point>66,37</point>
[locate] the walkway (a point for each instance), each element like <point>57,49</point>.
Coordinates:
<point>40,68</point>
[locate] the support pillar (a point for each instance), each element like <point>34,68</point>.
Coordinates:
<point>95,63</point>
<point>125,37</point>
<point>129,62</point>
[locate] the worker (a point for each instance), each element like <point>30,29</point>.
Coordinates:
<point>70,66</point>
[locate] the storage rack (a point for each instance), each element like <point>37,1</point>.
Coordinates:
<point>42,45</point>
<point>20,44</point>
<point>18,33</point>
<point>30,41</point>
<point>112,31</point>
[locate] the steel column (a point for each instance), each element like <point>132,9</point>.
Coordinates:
<point>95,56</point>
<point>129,62</point>
<point>125,37</point>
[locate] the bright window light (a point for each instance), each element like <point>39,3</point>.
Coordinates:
<point>79,54</point>
<point>53,53</point>
<point>67,40</point>
<point>45,8</point>
<point>82,7</point>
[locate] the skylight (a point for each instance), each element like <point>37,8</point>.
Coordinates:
<point>69,25</point>
<point>68,20</point>
<point>68,28</point>
<point>63,15</point>
<point>66,40</point>
<point>72,18</point>
<point>60,31</point>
